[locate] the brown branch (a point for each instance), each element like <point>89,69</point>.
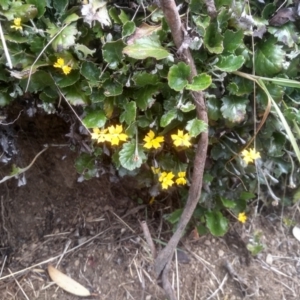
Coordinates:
<point>211,8</point>
<point>148,238</point>
<point>164,257</point>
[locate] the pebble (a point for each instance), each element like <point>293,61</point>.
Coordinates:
<point>207,243</point>
<point>76,263</point>
<point>221,253</point>
<point>269,259</point>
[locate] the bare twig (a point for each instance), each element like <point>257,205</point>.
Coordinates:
<point>17,282</point>
<point>148,238</point>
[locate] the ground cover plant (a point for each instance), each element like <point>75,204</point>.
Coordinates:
<point>204,95</point>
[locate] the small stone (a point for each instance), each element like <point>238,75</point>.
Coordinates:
<point>269,259</point>
<point>221,253</point>
<point>76,263</point>
<point>207,243</point>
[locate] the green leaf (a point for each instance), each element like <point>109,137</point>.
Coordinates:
<point>234,108</point>
<point>200,82</point>
<point>67,80</point>
<point>112,52</point>
<point>240,86</point>
<point>144,97</point>
<point>40,6</point>
<point>38,81</point>
<point>5,4</point>
<point>128,29</point>
<point>213,107</point>
<point>129,113</point>
<point>83,51</point>
<point>18,9</point>
<point>216,223</point>
<point>246,195</point>
<point>90,71</point>
<point>131,157</point>
<point>123,17</point>
<point>174,217</point>
<point>230,63</point>
<point>146,47</point>
<point>15,37</point>
<point>213,40</point>
<point>60,5</point>
<point>70,18</point>
<point>195,127</point>
<point>112,88</point>
<point>168,117</point>
<point>143,78</point>
<point>178,76</point>
<point>4,99</point>
<point>228,203</point>
<point>232,40</point>
<point>75,95</point>
<point>65,39</point>
<point>286,34</point>
<point>85,165</point>
<point>189,106</point>
<point>94,119</point>
<point>269,58</point>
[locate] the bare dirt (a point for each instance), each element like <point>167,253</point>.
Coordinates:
<point>91,231</point>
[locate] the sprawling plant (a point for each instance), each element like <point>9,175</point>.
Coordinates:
<point>121,66</point>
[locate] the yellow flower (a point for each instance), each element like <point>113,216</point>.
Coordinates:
<point>166,179</point>
<point>115,134</point>
<point>242,217</point>
<point>99,135</point>
<point>66,70</point>
<point>181,139</point>
<point>152,142</point>
<point>250,156</point>
<point>155,170</point>
<point>17,24</point>
<point>181,178</point>
<point>60,63</point>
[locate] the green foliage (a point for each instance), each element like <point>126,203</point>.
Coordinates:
<point>126,74</point>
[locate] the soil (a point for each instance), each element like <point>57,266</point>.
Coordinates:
<point>91,231</point>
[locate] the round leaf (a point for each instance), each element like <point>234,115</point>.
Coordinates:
<point>216,223</point>
<point>112,51</point>
<point>90,71</point>
<point>146,47</point>
<point>131,157</point>
<point>199,83</point>
<point>230,63</point>
<point>195,127</point>
<point>95,118</point>
<point>129,113</point>
<point>178,76</point>
<point>269,58</point>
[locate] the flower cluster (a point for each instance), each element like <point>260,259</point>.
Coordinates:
<point>113,134</point>
<point>166,178</point>
<point>17,24</point>
<point>242,217</point>
<point>60,63</point>
<point>180,140</point>
<point>250,156</point>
